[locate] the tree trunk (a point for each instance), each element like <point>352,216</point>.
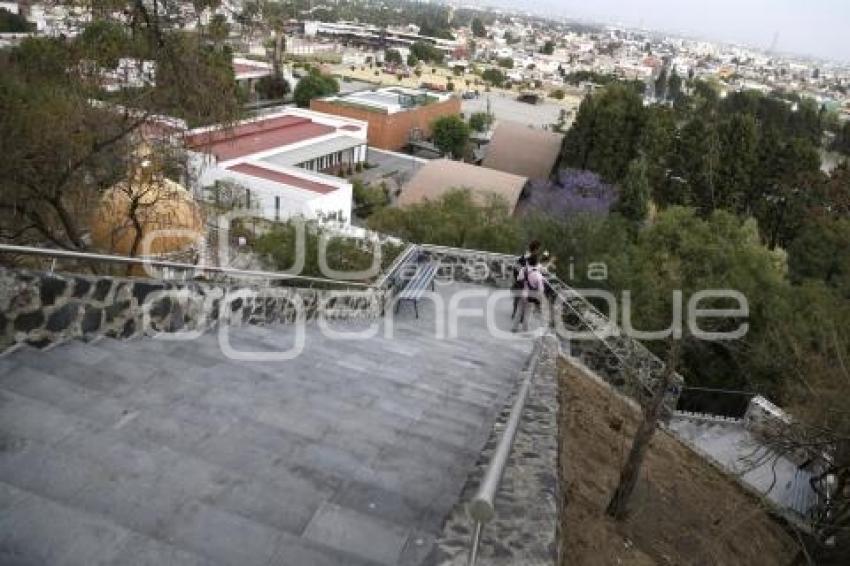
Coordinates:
<point>618,505</point>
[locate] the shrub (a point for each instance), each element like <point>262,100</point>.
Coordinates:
<point>312,86</point>
<point>493,76</point>
<point>480,121</point>
<point>451,135</point>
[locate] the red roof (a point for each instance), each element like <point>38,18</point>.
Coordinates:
<point>257,136</point>
<point>241,68</point>
<point>285,178</point>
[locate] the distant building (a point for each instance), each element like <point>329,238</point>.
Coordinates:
<point>516,148</point>
<point>284,160</point>
<point>394,114</point>
<point>368,35</point>
<point>441,176</point>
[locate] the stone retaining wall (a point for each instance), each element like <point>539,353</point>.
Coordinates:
<point>524,529</point>
<point>40,309</point>
<point>469,266</point>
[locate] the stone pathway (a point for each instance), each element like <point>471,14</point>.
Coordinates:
<point>165,452</point>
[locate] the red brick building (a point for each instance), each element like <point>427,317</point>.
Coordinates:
<point>392,112</point>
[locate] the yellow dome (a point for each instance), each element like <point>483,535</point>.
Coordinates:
<point>159,204</point>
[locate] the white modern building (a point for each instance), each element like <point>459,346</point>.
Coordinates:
<point>284,160</point>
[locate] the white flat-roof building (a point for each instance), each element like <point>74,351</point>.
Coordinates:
<point>283,160</point>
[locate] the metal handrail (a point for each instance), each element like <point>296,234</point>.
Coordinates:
<point>126,260</point>
<point>399,261</point>
<point>635,343</point>
<point>467,251</point>
<point>482,507</point>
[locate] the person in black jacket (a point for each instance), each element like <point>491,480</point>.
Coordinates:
<point>521,262</point>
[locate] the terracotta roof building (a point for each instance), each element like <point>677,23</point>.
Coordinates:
<point>285,161</point>
<point>440,176</point>
<point>516,148</point>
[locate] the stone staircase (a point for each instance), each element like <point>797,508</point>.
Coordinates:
<point>169,452</point>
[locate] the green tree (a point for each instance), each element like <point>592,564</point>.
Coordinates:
<point>656,143</point>
<point>674,86</point>
<point>841,143</point>
<point>635,192</point>
<point>368,198</point>
<point>694,166</point>
<point>506,62</point>
<point>605,134</point>
<point>821,252</point>
<point>272,87</point>
<point>57,173</point>
<point>314,85</point>
<point>454,219</point>
<point>392,57</point>
<point>480,121</point>
<point>738,161</point>
<point>425,51</point>
<point>682,251</point>
<point>548,47</point>
<point>478,29</point>
<point>493,76</point>
<point>450,134</point>
<point>661,84</point>
<point>14,23</point>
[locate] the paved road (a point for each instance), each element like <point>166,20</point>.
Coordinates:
<point>162,452</point>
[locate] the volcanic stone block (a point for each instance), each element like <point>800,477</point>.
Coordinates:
<point>51,287</point>
<point>142,290</point>
<point>63,317</point>
<point>91,319</point>
<point>81,287</point>
<point>28,321</point>
<point>101,289</point>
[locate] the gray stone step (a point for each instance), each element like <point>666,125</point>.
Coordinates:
<point>352,453</point>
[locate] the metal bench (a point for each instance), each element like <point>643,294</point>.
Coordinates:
<point>417,285</point>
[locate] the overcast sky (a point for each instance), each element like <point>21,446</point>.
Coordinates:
<point>814,27</point>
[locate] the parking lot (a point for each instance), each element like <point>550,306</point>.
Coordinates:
<point>504,106</point>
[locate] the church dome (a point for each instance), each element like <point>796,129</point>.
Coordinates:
<point>157,204</point>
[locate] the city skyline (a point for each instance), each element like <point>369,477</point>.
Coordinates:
<point>816,28</point>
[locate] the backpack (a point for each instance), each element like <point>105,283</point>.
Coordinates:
<point>526,283</point>
<point>518,269</point>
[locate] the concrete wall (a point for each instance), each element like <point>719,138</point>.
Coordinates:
<point>391,131</point>
<point>40,309</point>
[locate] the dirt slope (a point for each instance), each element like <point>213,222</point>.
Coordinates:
<point>683,511</point>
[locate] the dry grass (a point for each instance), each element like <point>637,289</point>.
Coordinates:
<point>683,511</point>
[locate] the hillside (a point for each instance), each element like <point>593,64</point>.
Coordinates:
<point>683,511</point>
